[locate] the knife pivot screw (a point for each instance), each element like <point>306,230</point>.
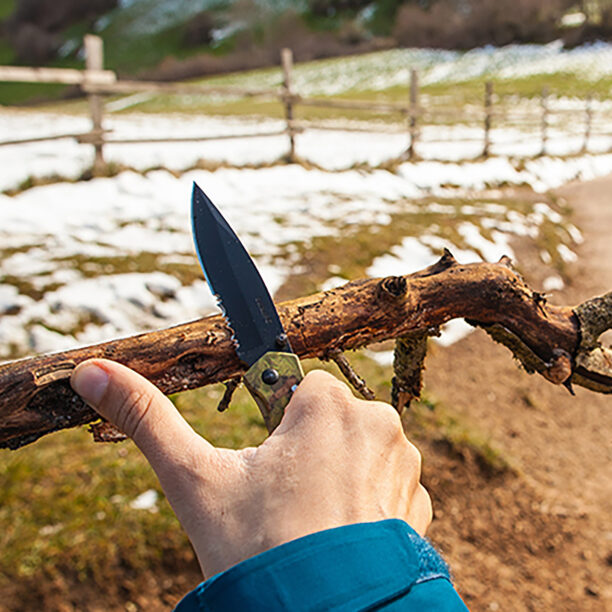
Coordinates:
<point>281,340</point>
<point>270,376</point>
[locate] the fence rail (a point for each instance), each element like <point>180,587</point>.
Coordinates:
<point>96,83</point>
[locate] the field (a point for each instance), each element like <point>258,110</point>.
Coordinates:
<point>86,260</point>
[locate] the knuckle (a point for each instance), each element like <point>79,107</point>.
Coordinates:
<point>321,389</point>
<point>323,382</point>
<point>133,410</point>
<point>317,379</point>
<point>415,456</point>
<point>387,417</point>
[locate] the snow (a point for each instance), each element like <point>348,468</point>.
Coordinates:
<point>385,69</point>
<point>10,299</point>
<point>490,250</point>
<point>333,283</point>
<point>327,149</point>
<point>146,501</point>
<point>553,283</point>
<point>122,217</point>
<point>383,358</point>
<point>408,257</point>
<point>450,332</point>
<point>57,238</point>
<point>453,331</point>
<point>567,255</point>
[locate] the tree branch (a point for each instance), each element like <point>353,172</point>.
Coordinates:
<point>337,356</point>
<point>36,398</point>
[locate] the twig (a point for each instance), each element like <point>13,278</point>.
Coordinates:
<point>230,387</point>
<point>337,356</point>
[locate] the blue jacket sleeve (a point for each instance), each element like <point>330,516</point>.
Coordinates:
<point>368,566</point>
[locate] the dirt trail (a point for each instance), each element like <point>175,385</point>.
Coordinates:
<point>561,445</point>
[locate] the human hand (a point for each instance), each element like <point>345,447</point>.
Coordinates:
<point>334,460</point>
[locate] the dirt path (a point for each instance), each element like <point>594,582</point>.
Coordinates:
<point>561,445</point>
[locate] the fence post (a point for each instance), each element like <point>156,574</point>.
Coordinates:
<point>94,60</point>
<point>413,112</point>
<point>287,65</point>
<point>544,121</point>
<point>587,125</point>
<point>488,108</point>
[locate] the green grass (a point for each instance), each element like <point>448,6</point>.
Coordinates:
<point>67,504</point>
<point>7,7</point>
<point>442,102</point>
<point>132,54</point>
<point>557,84</point>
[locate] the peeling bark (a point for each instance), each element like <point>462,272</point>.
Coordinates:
<point>36,398</point>
<point>408,366</point>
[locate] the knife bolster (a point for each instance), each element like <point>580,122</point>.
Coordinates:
<point>273,398</point>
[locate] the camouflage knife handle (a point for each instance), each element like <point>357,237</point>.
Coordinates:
<point>271,380</point>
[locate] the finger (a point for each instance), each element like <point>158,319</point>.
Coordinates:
<point>318,396</point>
<point>138,408</point>
<point>420,513</point>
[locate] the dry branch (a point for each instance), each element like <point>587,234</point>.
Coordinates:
<point>337,356</point>
<point>35,395</point>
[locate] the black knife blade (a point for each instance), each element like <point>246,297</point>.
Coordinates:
<point>236,282</point>
<point>261,342</point>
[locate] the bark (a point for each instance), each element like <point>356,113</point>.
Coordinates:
<point>36,398</point>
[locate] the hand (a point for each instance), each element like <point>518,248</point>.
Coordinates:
<point>334,460</point>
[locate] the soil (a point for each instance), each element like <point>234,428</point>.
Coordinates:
<point>534,538</point>
<point>539,540</point>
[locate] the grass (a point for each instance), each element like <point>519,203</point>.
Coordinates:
<point>142,262</point>
<point>347,250</point>
<point>7,7</point>
<point>65,502</point>
<point>444,103</point>
<point>438,100</point>
<point>557,84</point>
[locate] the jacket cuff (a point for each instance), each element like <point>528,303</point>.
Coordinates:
<point>350,567</point>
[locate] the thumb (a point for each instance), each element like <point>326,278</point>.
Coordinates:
<point>137,407</point>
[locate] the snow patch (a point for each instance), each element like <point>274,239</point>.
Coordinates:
<point>553,283</point>
<point>145,501</point>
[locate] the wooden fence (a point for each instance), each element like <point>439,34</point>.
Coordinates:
<point>96,83</point>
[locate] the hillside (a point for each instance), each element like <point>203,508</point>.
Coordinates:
<point>177,39</point>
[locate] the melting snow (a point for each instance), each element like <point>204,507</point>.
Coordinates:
<point>45,229</point>
<point>145,501</point>
<point>553,283</point>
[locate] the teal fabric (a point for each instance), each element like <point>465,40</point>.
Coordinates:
<point>368,566</point>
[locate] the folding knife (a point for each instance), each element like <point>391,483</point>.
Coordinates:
<point>261,342</point>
